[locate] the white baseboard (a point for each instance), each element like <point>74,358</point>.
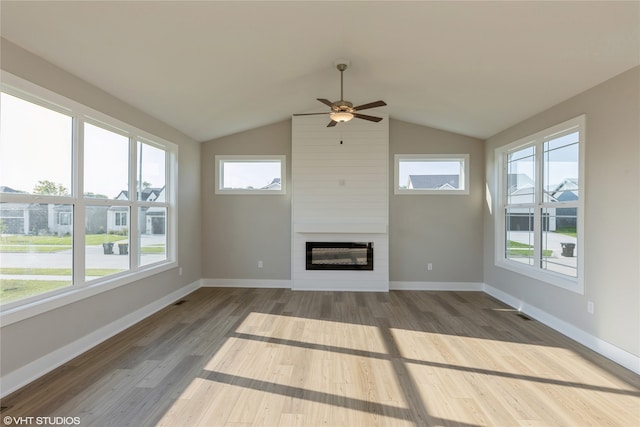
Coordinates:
<point>363,286</point>
<point>435,286</point>
<point>610,351</point>
<point>34,370</point>
<point>341,285</point>
<point>245,283</point>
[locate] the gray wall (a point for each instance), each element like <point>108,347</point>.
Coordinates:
<point>30,339</point>
<point>445,230</point>
<point>240,230</point>
<point>612,215</point>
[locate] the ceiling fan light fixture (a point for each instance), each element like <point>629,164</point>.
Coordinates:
<point>341,116</point>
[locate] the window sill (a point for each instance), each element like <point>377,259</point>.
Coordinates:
<point>570,284</point>
<point>399,191</point>
<point>250,192</point>
<point>13,314</point>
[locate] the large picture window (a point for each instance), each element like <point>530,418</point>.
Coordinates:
<point>75,186</point>
<point>539,222</point>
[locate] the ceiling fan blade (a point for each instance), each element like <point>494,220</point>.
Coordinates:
<point>310,114</point>
<point>370,105</point>
<point>332,123</point>
<point>325,102</point>
<point>365,117</point>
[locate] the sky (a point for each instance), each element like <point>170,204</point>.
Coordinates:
<point>239,174</point>
<point>30,153</point>
<point>431,167</point>
<point>560,160</point>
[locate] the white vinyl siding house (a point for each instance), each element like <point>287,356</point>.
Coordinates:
<point>152,219</point>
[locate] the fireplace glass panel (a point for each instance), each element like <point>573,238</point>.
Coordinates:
<point>339,256</point>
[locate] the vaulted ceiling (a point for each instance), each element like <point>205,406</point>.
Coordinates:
<point>212,68</point>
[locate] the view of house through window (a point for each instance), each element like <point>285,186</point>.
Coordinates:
<point>250,174</point>
<point>431,174</point>
<point>39,202</point>
<point>36,250</point>
<point>152,237</point>
<point>541,200</point>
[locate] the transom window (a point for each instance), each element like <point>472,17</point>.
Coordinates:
<point>250,174</point>
<point>431,174</point>
<point>539,222</point>
<point>84,198</point>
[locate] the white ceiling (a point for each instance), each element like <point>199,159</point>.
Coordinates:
<point>214,68</point>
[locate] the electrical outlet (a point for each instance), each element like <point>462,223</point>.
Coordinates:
<point>180,271</point>
<point>429,266</point>
<point>590,307</point>
<point>260,264</point>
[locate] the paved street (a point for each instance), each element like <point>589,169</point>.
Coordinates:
<point>556,262</point>
<point>94,256</point>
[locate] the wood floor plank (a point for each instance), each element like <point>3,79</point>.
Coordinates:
<point>275,357</point>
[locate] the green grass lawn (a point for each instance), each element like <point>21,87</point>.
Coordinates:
<point>18,243</point>
<point>517,249</point>
<point>153,249</point>
<point>34,248</point>
<point>90,239</point>
<point>15,289</point>
<point>567,231</point>
<point>57,271</point>
<point>48,244</point>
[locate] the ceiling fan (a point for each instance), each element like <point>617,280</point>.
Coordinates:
<point>343,111</point>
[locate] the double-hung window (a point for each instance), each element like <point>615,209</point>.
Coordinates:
<point>540,218</point>
<point>84,198</point>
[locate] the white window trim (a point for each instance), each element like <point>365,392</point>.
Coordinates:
<point>219,170</point>
<point>431,157</point>
<point>28,307</point>
<point>566,282</point>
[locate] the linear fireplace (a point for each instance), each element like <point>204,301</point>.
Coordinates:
<point>339,256</point>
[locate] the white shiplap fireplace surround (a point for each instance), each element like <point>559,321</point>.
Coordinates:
<point>340,182</point>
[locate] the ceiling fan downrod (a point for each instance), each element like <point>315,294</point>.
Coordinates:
<point>341,68</point>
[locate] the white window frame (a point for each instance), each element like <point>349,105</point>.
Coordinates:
<point>81,288</point>
<point>536,271</point>
<point>220,160</point>
<point>464,173</point>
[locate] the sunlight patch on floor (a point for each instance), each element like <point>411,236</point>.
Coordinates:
<point>351,336</point>
<point>282,370</point>
<point>286,370</point>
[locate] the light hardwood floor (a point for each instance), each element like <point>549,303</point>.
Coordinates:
<point>248,357</point>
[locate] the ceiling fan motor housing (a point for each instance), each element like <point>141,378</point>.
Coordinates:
<point>344,106</point>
